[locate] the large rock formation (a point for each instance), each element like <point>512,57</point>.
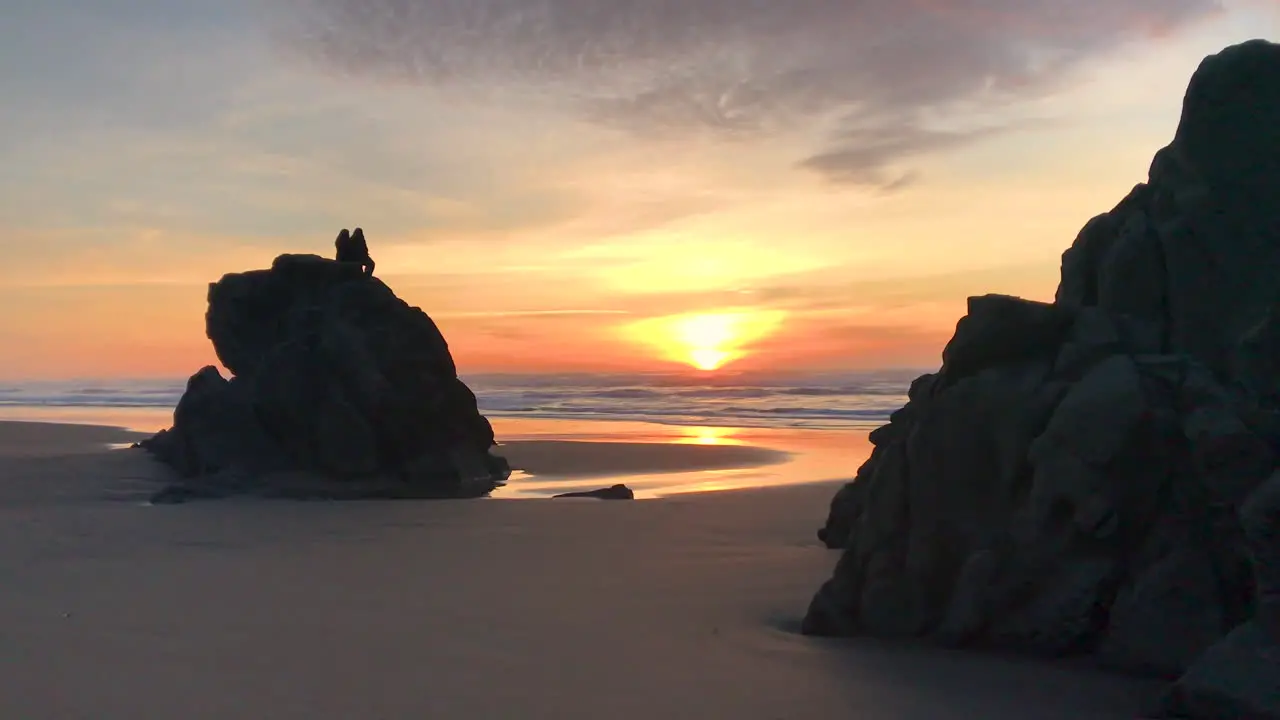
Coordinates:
<point>339,390</point>
<point>1070,481</point>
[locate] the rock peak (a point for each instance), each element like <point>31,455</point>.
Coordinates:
<point>1230,116</point>
<point>1194,252</point>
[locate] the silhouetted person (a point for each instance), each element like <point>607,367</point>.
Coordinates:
<point>352,248</point>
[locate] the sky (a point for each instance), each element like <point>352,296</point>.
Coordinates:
<point>575,185</point>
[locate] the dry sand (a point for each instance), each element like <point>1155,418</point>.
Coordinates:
<point>683,607</point>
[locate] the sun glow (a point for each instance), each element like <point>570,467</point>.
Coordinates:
<point>708,359</point>
<point>706,341</point>
<point>702,435</point>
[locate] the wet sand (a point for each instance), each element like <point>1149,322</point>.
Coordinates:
<point>36,439</point>
<point>567,458</point>
<point>682,607</point>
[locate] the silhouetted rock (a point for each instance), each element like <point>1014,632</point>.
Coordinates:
<point>1236,679</point>
<point>1070,481</point>
<point>1239,675</point>
<point>339,389</point>
<point>846,507</point>
<point>1260,520</point>
<point>613,492</point>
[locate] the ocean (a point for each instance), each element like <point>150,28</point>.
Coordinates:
<point>829,401</point>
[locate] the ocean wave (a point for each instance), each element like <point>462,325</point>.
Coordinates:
<point>627,394</point>
<point>847,400</point>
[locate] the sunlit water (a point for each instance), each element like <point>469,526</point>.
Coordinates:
<point>812,455</point>
<point>821,422</point>
<point>831,401</point>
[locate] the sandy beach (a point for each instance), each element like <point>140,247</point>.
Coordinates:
<point>682,607</point>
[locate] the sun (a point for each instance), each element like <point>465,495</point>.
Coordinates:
<point>708,359</point>
<point>706,341</point>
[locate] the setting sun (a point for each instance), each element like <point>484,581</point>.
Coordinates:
<point>708,359</point>
<point>706,341</point>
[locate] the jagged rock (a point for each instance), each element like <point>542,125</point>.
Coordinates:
<point>339,389</point>
<point>1193,249</point>
<point>1239,676</point>
<point>971,436</point>
<point>1166,616</point>
<point>1260,518</point>
<point>1068,482</point>
<point>1062,615</point>
<point>1236,679</point>
<point>1000,329</point>
<point>846,506</point>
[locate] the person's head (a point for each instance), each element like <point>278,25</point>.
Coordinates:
<point>343,237</point>
<point>358,234</point>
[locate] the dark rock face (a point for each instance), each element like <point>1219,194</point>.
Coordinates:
<point>1071,480</point>
<point>339,389</point>
<point>1237,678</point>
<point>613,492</point>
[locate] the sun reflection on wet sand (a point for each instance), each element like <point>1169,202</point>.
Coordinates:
<point>814,456</point>
<point>704,435</point>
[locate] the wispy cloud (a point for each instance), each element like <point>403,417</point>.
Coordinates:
<point>890,69</point>
<point>864,156</point>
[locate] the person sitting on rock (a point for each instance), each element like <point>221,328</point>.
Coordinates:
<point>352,248</point>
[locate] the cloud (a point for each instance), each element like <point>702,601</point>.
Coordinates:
<point>907,75</point>
<point>146,114</point>
<point>864,157</point>
<point>820,343</point>
<point>843,291</point>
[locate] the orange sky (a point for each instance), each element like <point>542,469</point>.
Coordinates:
<point>762,210</point>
